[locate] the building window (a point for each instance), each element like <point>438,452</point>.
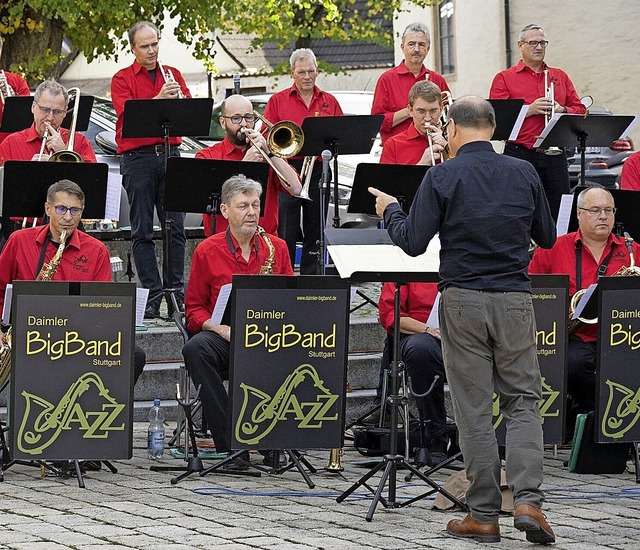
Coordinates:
<point>446,36</point>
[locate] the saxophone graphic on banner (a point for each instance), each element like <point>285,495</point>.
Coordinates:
<point>622,411</point>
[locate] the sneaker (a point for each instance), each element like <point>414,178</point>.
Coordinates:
<point>270,458</point>
<point>152,311</point>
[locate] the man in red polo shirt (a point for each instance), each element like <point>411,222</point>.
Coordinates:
<point>237,120</point>
<point>142,165</point>
<point>303,99</point>
<point>392,88</point>
<point>630,176</point>
<point>412,145</point>
<point>10,84</point>
<point>526,80</point>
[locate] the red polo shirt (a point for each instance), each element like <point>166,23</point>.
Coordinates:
<point>392,94</point>
<point>23,145</point>
<point>85,258</point>
<point>630,178</point>
<point>214,262</point>
<point>405,148</point>
<point>225,150</point>
<point>521,82</point>
<point>561,259</point>
<point>416,301</point>
<point>134,82</point>
<point>20,87</point>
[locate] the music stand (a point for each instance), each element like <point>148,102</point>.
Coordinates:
<point>166,118</point>
<point>569,131</point>
<point>507,112</point>
<point>17,113</point>
<point>90,176</point>
<point>342,135</point>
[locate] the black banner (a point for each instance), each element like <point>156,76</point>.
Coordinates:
<point>288,365</point>
<point>71,383</point>
<point>550,304</point>
<point>618,369</point>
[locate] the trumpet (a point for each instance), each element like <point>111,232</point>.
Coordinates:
<point>68,154</point>
<point>168,77</point>
<point>284,140</point>
<point>5,88</point>
<point>548,94</point>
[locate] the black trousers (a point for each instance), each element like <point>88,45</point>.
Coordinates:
<point>552,169</point>
<point>206,357</point>
<point>581,382</point>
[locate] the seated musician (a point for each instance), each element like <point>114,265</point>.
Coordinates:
<point>11,84</point>
<point>420,351</point>
<point>584,255</point>
<point>237,250</point>
<point>412,145</point>
<point>28,250</point>
<point>238,121</point>
<point>630,175</point>
<point>50,102</point>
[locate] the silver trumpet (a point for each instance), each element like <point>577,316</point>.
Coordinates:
<point>305,176</point>
<point>548,115</point>
<point>168,77</point>
<point>5,88</point>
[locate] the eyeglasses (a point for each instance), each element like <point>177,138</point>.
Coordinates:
<point>431,112</point>
<point>536,43</point>
<point>237,119</point>
<point>46,111</point>
<point>62,210</point>
<point>609,211</point>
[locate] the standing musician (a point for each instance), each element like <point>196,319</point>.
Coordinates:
<point>585,255</point>
<point>84,258</point>
<point>142,164</point>
<point>532,80</point>
<point>413,145</point>
<point>237,250</point>
<point>630,175</point>
<point>238,121</point>
<point>392,88</point>
<point>303,99</point>
<point>10,84</point>
<point>489,206</point>
<point>45,136</point>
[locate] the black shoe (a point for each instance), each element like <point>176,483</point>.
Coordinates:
<point>152,311</point>
<point>239,464</point>
<point>179,296</point>
<point>270,458</point>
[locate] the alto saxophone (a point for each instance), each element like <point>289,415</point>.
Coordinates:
<point>267,267</point>
<point>46,274</point>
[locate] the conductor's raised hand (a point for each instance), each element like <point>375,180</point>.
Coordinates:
<point>382,200</point>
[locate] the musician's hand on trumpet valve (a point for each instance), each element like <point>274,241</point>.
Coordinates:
<point>541,106</point>
<point>170,90</point>
<point>437,145</point>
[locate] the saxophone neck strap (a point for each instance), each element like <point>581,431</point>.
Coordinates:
<point>43,252</point>
<point>602,268</point>
<point>232,248</point>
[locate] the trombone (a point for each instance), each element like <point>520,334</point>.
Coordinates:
<point>5,88</point>
<point>284,140</point>
<point>68,154</point>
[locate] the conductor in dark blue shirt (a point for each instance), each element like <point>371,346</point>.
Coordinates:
<point>487,208</point>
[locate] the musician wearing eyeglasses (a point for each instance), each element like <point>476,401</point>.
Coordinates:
<point>423,142</point>
<point>238,121</point>
<point>142,164</point>
<point>303,99</point>
<point>10,84</point>
<point>585,255</point>
<point>392,88</point>
<point>545,90</point>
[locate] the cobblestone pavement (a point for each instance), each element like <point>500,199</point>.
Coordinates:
<point>139,508</point>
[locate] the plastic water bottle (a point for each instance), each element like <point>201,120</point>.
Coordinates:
<point>155,440</point>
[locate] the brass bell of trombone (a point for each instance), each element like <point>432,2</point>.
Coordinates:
<point>334,464</point>
<point>284,139</point>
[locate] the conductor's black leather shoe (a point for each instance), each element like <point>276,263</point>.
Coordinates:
<point>469,528</point>
<point>152,311</point>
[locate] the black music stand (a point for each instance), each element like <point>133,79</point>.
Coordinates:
<point>166,118</point>
<point>200,192</point>
<point>17,113</point>
<point>569,131</point>
<point>507,112</point>
<point>342,135</point>
<point>91,177</point>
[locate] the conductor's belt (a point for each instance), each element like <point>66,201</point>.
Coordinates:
<point>157,149</point>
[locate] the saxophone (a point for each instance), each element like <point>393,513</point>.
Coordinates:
<point>267,267</point>
<point>46,274</point>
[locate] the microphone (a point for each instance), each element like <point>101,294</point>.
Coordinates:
<point>326,157</point>
<point>236,83</point>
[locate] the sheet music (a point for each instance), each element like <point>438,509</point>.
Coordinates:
<point>564,214</point>
<point>6,307</point>
<point>383,257</point>
<point>583,301</point>
<point>555,118</point>
<point>142,294</point>
<point>221,304</point>
<point>631,126</point>
<point>516,127</point>
<point>112,206</point>
<point>434,321</point>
